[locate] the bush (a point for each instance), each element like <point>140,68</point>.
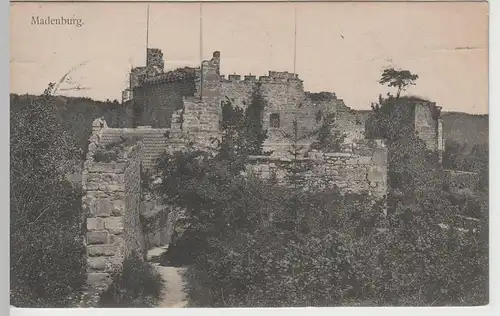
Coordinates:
<point>47,254</point>
<point>256,243</point>
<point>326,140</point>
<point>113,151</point>
<point>137,284</point>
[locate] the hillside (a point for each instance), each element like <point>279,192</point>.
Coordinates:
<point>466,128</point>
<point>76,114</point>
<point>457,126</point>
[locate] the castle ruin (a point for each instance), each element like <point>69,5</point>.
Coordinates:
<point>169,111</point>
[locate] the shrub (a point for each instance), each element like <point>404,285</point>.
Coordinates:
<point>256,243</point>
<point>113,151</point>
<point>326,140</point>
<point>253,243</point>
<point>47,255</point>
<point>136,284</point>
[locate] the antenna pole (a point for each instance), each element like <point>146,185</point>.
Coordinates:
<point>201,51</point>
<point>201,33</point>
<point>294,37</point>
<point>147,35</point>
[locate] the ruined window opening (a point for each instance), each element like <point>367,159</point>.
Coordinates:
<point>274,120</point>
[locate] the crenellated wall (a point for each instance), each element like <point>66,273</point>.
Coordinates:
<point>159,99</point>
<point>284,95</point>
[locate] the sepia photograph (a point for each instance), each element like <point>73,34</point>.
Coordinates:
<point>249,154</point>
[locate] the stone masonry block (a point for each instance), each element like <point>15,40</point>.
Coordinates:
<point>96,263</point>
<point>118,207</point>
<point>114,224</point>
<point>364,160</point>
<point>100,207</point>
<point>97,237</point>
<point>91,186</point>
<point>95,224</point>
<point>112,187</point>
<point>380,156</point>
<point>352,161</point>
<point>107,167</point>
<point>101,250</point>
<point>97,279</point>
<point>375,174</point>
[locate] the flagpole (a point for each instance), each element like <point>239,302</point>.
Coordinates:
<point>201,51</point>
<point>294,37</point>
<point>147,35</point>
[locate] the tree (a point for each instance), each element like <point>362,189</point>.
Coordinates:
<point>425,259</point>
<point>400,79</point>
<point>47,253</point>
<point>326,140</point>
<point>254,132</point>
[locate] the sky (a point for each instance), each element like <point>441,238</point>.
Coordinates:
<point>340,47</point>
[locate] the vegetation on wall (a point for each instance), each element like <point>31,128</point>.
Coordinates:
<point>250,241</point>
<point>418,209</point>
<point>466,157</point>
<point>398,78</point>
<point>328,140</point>
<point>253,242</point>
<point>255,134</point>
<point>137,284</point>
<point>113,151</point>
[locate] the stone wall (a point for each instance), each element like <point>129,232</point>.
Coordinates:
<point>362,169</point>
<point>132,177</point>
<point>426,124</point>
<point>159,97</point>
<point>111,203</point>
<point>154,141</point>
<point>282,93</point>
<point>208,84</point>
<point>284,96</point>
<point>158,101</point>
<point>440,140</point>
<point>154,59</point>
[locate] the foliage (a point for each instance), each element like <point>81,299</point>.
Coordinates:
<point>136,284</point>
<point>256,241</point>
<point>47,256</point>
<point>464,157</point>
<point>432,263</point>
<point>241,228</point>
<point>326,140</point>
<point>74,114</point>
<point>428,263</point>
<point>320,96</point>
<point>253,130</point>
<point>466,128</point>
<point>299,165</point>
<point>113,151</point>
<point>391,118</point>
<point>253,242</point>
<point>400,79</point>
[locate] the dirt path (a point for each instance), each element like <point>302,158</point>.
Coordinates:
<point>174,295</point>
